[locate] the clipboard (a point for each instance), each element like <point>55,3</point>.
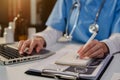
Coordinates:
<point>95,70</point>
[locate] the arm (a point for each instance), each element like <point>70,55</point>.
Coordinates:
<point>48,37</point>
<point>98,49</point>
<point>113,43</point>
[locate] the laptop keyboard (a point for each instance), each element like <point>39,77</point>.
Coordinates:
<point>8,53</point>
<point>12,54</point>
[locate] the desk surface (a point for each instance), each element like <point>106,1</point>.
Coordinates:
<point>16,71</point>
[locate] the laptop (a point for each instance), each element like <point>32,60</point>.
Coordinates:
<point>9,54</point>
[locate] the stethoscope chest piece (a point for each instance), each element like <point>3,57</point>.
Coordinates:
<point>93,28</point>
<point>65,38</point>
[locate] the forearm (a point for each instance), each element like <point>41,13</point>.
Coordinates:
<point>50,36</point>
<point>113,43</point>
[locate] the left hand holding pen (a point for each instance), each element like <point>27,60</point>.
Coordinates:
<point>94,49</point>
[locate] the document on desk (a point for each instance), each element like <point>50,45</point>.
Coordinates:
<point>72,59</point>
<point>46,63</point>
<point>47,67</point>
<point>116,76</point>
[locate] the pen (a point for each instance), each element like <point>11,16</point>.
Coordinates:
<point>90,39</point>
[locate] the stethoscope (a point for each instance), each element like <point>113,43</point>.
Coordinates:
<point>93,28</point>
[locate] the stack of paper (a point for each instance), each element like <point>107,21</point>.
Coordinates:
<point>72,59</point>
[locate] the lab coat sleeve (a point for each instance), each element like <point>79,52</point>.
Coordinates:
<point>113,43</point>
<point>50,36</point>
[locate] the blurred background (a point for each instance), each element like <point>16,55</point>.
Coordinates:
<point>35,12</point>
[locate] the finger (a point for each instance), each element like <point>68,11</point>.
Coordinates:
<point>98,52</point>
<point>92,50</point>
<point>20,44</point>
<point>24,46</point>
<point>80,49</point>
<point>88,47</point>
<point>39,46</point>
<point>32,46</point>
<point>100,55</point>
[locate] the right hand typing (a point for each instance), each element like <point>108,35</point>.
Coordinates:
<point>36,43</point>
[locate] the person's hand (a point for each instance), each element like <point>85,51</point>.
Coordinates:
<point>36,43</point>
<point>94,49</point>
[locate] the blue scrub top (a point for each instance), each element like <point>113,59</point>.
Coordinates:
<point>108,21</point>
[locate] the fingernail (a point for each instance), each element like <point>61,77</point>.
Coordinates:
<point>20,52</point>
<point>37,51</point>
<point>29,51</point>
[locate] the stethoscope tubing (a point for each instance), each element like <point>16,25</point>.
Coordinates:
<point>76,21</point>
<point>78,5</point>
<point>68,20</point>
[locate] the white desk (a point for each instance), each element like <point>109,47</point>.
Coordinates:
<point>16,71</point>
<point>114,67</point>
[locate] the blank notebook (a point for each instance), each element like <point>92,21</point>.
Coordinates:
<point>72,59</point>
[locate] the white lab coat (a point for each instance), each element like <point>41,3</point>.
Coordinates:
<point>51,36</point>
<point>113,43</point>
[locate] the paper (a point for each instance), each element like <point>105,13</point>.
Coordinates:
<point>71,59</point>
<point>116,76</point>
<point>59,53</point>
<point>66,50</point>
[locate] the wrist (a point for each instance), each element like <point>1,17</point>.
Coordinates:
<point>42,39</point>
<point>105,48</point>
